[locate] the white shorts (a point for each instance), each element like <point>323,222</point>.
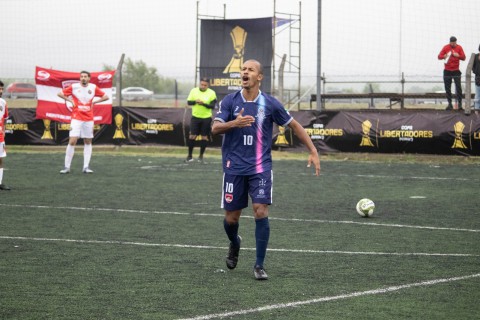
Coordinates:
<point>81,129</point>
<point>3,151</point>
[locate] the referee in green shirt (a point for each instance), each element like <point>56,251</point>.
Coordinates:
<point>203,100</point>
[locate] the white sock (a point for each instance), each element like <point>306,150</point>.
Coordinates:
<point>87,155</point>
<point>69,155</point>
<point>1,175</point>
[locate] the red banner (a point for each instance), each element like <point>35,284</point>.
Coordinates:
<point>50,106</point>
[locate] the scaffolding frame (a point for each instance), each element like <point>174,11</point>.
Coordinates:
<point>291,62</point>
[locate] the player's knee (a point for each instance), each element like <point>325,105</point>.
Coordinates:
<point>260,210</point>
<point>232,217</point>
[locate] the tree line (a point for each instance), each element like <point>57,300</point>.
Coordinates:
<point>139,74</point>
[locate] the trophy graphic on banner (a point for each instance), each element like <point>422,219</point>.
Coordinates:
<point>458,142</point>
<point>366,142</point>
<point>281,138</point>
<point>118,123</point>
<point>239,37</point>
<point>46,132</point>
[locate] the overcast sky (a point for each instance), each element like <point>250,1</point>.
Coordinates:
<point>360,39</point>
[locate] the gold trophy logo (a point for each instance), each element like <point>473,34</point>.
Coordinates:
<point>458,142</point>
<point>118,123</point>
<point>281,138</point>
<point>46,133</point>
<point>239,36</point>
<point>366,142</point>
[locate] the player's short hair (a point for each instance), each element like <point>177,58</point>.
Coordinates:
<point>204,79</point>
<point>260,67</point>
<point>1,84</point>
<point>86,72</point>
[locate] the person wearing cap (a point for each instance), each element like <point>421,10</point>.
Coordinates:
<point>452,53</point>
<point>476,71</point>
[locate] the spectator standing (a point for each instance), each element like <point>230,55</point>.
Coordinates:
<point>3,116</point>
<point>246,119</point>
<point>81,96</point>
<point>476,71</point>
<point>203,101</point>
<point>452,53</point>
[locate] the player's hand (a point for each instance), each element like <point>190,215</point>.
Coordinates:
<point>244,121</point>
<point>313,158</point>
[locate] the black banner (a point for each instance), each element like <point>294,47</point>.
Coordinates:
<point>427,132</point>
<point>226,44</point>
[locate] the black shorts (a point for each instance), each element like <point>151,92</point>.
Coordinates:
<point>200,127</point>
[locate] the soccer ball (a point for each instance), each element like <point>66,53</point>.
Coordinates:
<point>365,207</point>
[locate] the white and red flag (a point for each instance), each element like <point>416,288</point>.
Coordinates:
<point>50,106</point>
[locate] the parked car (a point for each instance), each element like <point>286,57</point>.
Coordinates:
<point>136,93</point>
<point>21,90</point>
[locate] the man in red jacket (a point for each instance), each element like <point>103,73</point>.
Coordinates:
<point>452,53</point>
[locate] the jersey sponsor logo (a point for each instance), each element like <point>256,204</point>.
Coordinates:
<point>228,197</point>
<point>235,112</point>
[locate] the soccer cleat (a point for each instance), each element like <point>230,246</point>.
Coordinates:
<point>4,187</point>
<point>260,273</point>
<point>232,257</point>
<point>200,160</point>
<point>65,170</point>
<point>449,107</point>
<point>87,170</point>
<point>189,159</point>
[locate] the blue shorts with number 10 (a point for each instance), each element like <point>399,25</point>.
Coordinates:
<point>236,190</point>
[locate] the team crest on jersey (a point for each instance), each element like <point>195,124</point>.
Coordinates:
<point>228,197</point>
<point>89,91</point>
<point>228,164</point>
<point>261,113</point>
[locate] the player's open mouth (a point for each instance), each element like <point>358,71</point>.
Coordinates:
<point>245,79</point>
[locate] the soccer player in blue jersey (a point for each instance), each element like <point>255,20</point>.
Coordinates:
<point>246,119</point>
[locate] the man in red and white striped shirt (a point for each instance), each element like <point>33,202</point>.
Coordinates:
<point>3,116</point>
<point>81,96</point>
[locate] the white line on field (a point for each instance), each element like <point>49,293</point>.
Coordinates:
<point>170,245</point>
<point>178,167</point>
<point>333,298</point>
<point>412,177</point>
<point>243,216</point>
